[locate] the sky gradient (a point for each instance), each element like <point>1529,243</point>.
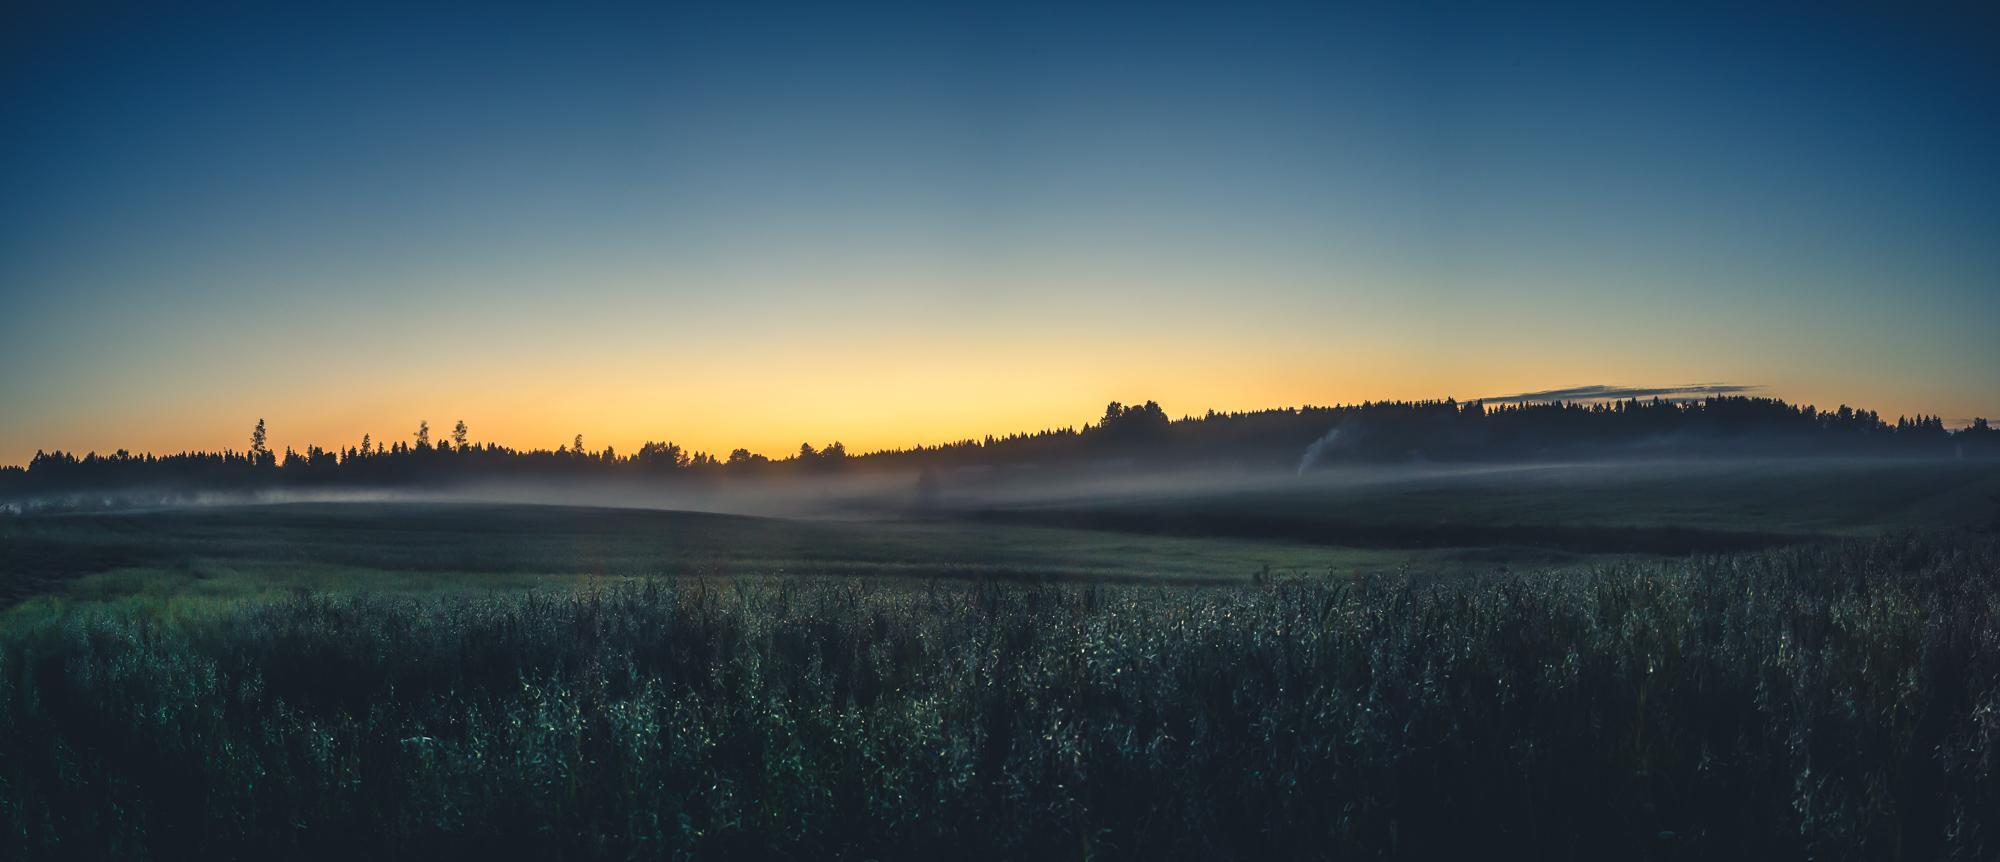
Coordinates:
<point>755,225</point>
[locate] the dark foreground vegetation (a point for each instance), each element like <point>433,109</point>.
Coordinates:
<point>1834,701</point>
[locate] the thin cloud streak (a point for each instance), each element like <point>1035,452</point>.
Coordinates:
<point>1607,392</point>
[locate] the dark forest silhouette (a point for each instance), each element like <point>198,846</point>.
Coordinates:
<point>1138,436</point>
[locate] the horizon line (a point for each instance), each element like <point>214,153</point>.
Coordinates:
<point>1605,394</point>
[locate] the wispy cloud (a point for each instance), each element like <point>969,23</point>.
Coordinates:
<point>1606,392</point>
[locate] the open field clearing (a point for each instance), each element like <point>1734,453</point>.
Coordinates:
<point>227,552</point>
<point>1433,520</point>
<point>1455,664</point>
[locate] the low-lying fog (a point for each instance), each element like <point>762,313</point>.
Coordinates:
<point>903,493</point>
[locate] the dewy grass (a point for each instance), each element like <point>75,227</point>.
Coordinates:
<point>1834,701</point>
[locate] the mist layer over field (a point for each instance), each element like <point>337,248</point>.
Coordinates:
<point>1788,493</point>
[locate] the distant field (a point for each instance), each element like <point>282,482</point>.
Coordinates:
<point>234,551</point>
<point>1615,507</point>
<point>1342,521</point>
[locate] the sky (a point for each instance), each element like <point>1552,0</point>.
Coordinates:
<point>749,224</point>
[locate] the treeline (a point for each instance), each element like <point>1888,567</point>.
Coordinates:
<point>1135,435</point>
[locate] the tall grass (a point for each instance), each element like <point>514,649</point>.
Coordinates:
<point>1839,701</point>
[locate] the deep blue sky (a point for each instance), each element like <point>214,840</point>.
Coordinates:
<point>754,224</point>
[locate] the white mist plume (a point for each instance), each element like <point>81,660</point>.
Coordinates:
<point>1319,447</point>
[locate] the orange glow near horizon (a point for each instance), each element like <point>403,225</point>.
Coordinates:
<point>867,402</point>
<point>929,353</point>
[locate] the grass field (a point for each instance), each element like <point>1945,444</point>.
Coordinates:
<point>1673,507</point>
<point>1829,701</point>
<point>233,552</point>
<point>1437,667</point>
<point>1436,521</point>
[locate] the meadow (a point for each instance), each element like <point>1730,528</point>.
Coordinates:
<point>228,553</point>
<point>1836,700</point>
<point>1671,507</point>
<point>479,681</point>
